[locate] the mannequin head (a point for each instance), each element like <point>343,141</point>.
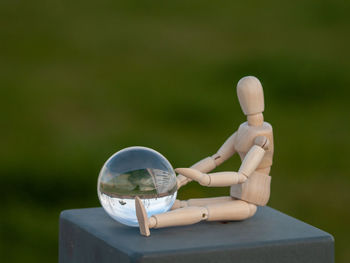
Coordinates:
<point>251,98</point>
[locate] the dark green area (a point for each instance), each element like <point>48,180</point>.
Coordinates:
<point>80,80</point>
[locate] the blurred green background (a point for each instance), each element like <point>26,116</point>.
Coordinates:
<point>80,80</point>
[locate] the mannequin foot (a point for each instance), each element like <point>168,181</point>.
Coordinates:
<point>142,217</point>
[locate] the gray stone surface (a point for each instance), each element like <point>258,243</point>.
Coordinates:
<point>90,235</point>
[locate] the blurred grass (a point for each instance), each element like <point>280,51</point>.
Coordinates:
<point>81,80</point>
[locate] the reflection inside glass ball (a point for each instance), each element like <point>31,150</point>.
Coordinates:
<point>136,171</point>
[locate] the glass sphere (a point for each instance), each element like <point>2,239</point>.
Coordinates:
<point>136,171</point>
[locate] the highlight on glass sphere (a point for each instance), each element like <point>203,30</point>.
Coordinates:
<point>136,171</point>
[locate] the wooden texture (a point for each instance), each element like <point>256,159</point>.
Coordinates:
<point>142,217</point>
<point>251,96</point>
<point>200,201</point>
<point>250,186</point>
<point>205,166</point>
<point>257,188</point>
<point>211,211</point>
<point>251,160</point>
<point>214,179</point>
<point>182,216</point>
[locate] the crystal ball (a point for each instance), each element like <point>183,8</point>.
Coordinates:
<point>136,171</point>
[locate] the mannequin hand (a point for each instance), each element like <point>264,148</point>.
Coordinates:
<point>195,175</point>
<point>178,182</point>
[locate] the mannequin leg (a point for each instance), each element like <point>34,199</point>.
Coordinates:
<point>224,210</point>
<point>230,211</point>
<point>200,201</point>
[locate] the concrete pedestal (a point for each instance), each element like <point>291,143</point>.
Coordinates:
<point>90,235</point>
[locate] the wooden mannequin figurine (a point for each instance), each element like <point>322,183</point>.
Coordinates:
<point>250,186</point>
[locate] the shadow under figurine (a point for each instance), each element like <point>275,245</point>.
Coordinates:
<point>250,186</point>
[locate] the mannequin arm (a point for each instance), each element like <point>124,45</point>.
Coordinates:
<point>213,179</point>
<point>205,166</point>
<point>226,150</point>
<point>254,156</point>
<point>210,163</point>
<point>250,162</point>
